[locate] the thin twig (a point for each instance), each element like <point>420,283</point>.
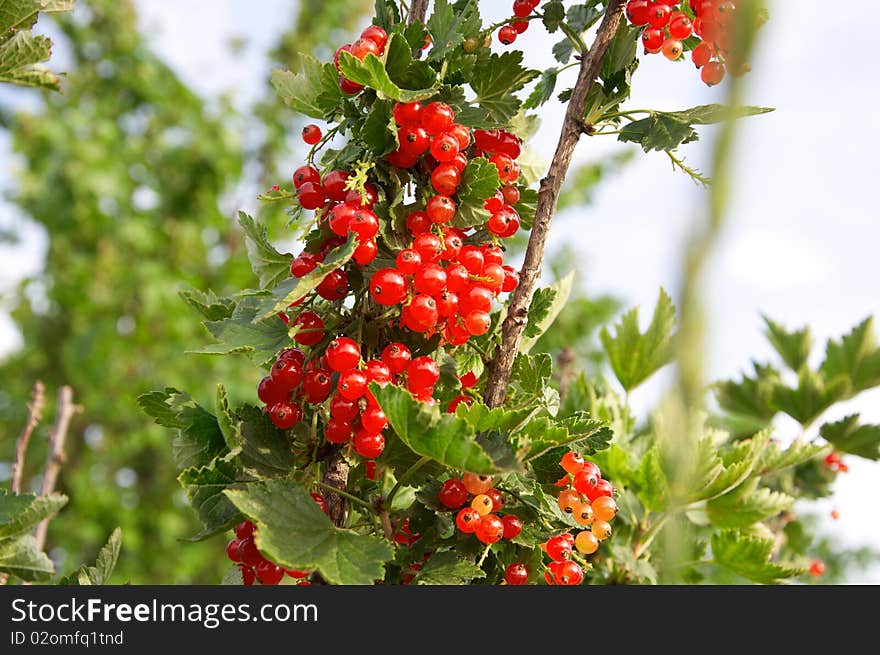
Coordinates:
<point>35,415</point>
<point>417,11</point>
<point>63,414</point>
<point>548,196</point>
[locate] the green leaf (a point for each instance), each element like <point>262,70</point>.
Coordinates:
<point>544,308</point>
<point>293,289</point>
<point>199,437</point>
<point>479,181</point>
<point>747,505</point>
<point>378,130</point>
<point>554,15</point>
<point>20,513</point>
<point>543,90</point>
<point>430,432</point>
<point>225,419</point>
<point>22,558</point>
<point>812,396</point>
<point>404,70</point>
<point>740,461</point>
<point>563,50</point>
<point>448,568</point>
<point>774,458</point>
<point>749,401</point>
<point>668,130</point>
<point>265,450</point>
<point>100,573</point>
<point>270,265</point>
<point>793,347</point>
<point>856,357</point>
<point>500,77</point>
<point>531,374</point>
<point>583,16</point>
<point>204,487</point>
<point>22,52</point>
<point>467,361</point>
<point>208,304</point>
<point>654,487</point>
<point>543,434</point>
<point>634,356</point>
<point>371,73</point>
<point>242,333</point>
<point>848,436</point>
<point>313,92</point>
<point>749,556</point>
<point>528,203</point>
<point>293,532</point>
<point>449,27</point>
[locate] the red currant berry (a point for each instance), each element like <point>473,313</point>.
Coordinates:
<point>287,374</point>
<point>285,415</point>
<point>653,39</point>
<point>512,526</point>
<point>343,354</point>
<point>444,147</point>
<point>268,573</point>
<point>430,279</point>
<point>377,35</point>
<point>507,34</point>
<point>637,12</point>
<point>369,446</point>
<point>352,385</point>
<point>445,179</point>
<point>418,222</point>
<point>602,488</point>
<point>365,252</point>
<point>244,530</point>
<point>373,420</point>
<point>365,224</point>
<point>458,400</point>
<point>516,574</point>
<point>334,286</point>
<point>334,185</point>
<point>388,287</point>
<point>311,195</point>
<point>467,520</point>
<point>270,392</point>
<point>397,357</point>
<point>232,550</point>
<point>343,409</point>
<point>476,484</point>
<point>569,574</point>
<point>305,174</point>
<point>317,386</point>
<point>441,208</point>
<point>511,279</point>
<point>462,134</point>
<point>408,261</point>
<point>437,117</point>
<point>429,246</point>
<point>363,47</point>
<point>572,462</point>
<point>559,548</point>
<point>408,114</point>
<point>457,278</point>
<point>303,264</point>
<point>377,371</point>
<point>712,73</point>
<point>337,431</point>
<point>497,499</point>
<point>472,259</point>
<point>423,372</point>
<point>701,55</point>
<point>452,494</point>
<point>413,140</point>
<point>817,568</point>
<point>311,134</point>
<point>490,529</point>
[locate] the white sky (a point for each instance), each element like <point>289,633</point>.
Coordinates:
<point>802,235</point>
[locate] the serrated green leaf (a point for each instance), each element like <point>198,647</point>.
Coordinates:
<point>668,130</point>
<point>774,458</point>
<point>546,305</point>
<point>293,532</point>
<point>314,91</point>
<point>653,484</point>
<point>553,15</point>
<point>634,357</point>
<point>371,73</point>
<point>20,513</point>
<point>581,17</point>
<point>204,487</point>
<point>793,347</point>
<point>403,69</point>
<point>740,461</point>
<point>22,558</point>
<point>543,434</point>
<point>530,375</point>
<point>848,436</point>
<point>749,556</point>
<point>449,27</point>
<point>562,51</point>
<point>500,77</point>
<point>427,431</point>
<point>242,333</point>
<point>378,130</point>
<point>199,438</point>
<point>20,61</point>
<point>468,361</point>
<point>479,181</point>
<point>100,573</point>
<point>265,450</point>
<point>448,568</point>
<point>269,265</point>
<point>746,505</point>
<point>208,304</point>
<point>528,203</point>
<point>749,400</point>
<point>293,289</point>
<point>225,419</point>
<point>543,90</point>
<point>811,397</point>
<point>856,357</point>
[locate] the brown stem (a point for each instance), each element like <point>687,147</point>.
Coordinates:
<point>35,414</point>
<point>417,11</point>
<point>548,196</point>
<point>63,414</point>
<point>335,475</point>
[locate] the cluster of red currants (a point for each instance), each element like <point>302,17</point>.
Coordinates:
<point>371,41</point>
<point>521,10</point>
<point>243,551</point>
<point>588,499</point>
<point>834,461</point>
<point>480,517</point>
<point>668,23</point>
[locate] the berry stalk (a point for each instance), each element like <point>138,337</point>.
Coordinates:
<point>548,197</point>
